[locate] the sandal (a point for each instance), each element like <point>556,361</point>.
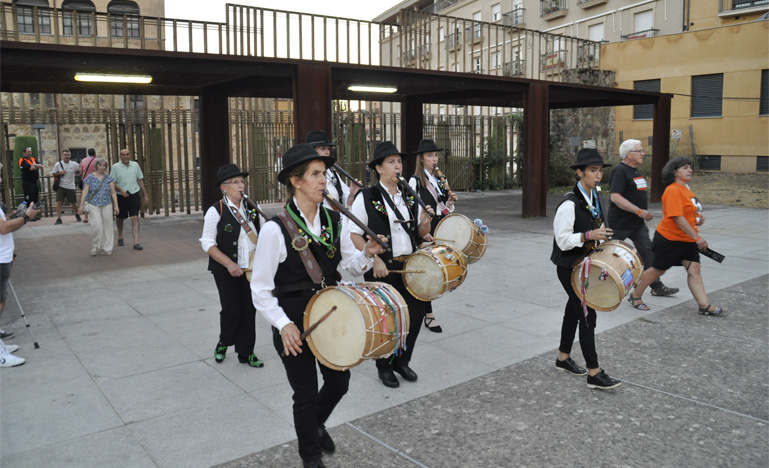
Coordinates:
<point>429,324</point>
<point>634,301</point>
<point>707,311</point>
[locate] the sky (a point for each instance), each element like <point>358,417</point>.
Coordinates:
<point>214,10</point>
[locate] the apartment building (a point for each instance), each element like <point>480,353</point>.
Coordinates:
<point>686,48</point>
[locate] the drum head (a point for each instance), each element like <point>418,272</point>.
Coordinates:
<point>455,229</point>
<point>340,341</point>
<point>426,286</point>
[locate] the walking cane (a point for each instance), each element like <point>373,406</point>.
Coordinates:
<point>37,346</point>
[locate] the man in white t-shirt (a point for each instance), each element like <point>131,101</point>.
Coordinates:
<point>65,170</point>
<point>7,226</point>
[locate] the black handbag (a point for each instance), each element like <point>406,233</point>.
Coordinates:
<point>57,179</point>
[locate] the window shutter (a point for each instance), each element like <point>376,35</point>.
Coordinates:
<point>763,108</point>
<point>707,95</point>
<point>645,111</point>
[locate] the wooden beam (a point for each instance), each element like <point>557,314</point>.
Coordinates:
<point>411,133</point>
<point>214,142</point>
<point>312,100</point>
<point>660,144</point>
<point>536,125</point>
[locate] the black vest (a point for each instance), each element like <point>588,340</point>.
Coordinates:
<point>427,197</point>
<point>292,275</point>
<point>583,221</point>
<point>227,237</point>
<point>374,202</point>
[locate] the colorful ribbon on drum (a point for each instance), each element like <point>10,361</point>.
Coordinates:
<point>584,273</point>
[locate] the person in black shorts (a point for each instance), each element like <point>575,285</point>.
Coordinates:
<point>629,212</point>
<point>129,184</point>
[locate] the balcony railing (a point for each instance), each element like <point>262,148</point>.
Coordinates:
<point>474,33</point>
<point>588,54</point>
<point>454,41</point>
<point>640,34</point>
<point>549,9</point>
<point>729,7</point>
<point>513,18</point>
<point>590,3</point>
<point>553,61</point>
<point>515,68</point>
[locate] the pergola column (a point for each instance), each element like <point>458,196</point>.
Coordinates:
<point>536,124</point>
<point>214,142</point>
<point>660,144</point>
<point>411,132</point>
<point>312,100</point>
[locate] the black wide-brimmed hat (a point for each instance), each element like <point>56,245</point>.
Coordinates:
<point>588,157</point>
<point>298,155</point>
<point>427,146</point>
<point>382,150</point>
<point>317,138</point>
<point>227,172</point>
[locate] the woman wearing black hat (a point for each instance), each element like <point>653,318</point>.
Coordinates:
<point>431,190</point>
<point>386,210</point>
<point>577,221</point>
<point>229,237</point>
<point>287,279</point>
<point>335,186</point>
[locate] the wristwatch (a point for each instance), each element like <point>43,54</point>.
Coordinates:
<point>26,218</point>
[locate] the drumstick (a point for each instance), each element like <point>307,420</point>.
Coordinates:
<point>447,240</point>
<point>307,332</point>
<point>405,271</point>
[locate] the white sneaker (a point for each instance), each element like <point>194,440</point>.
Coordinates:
<point>9,360</point>
<point>12,348</point>
<point>94,252</point>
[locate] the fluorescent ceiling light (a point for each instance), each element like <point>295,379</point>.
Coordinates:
<point>113,78</point>
<point>372,89</point>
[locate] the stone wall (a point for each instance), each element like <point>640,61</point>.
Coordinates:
<point>570,128</point>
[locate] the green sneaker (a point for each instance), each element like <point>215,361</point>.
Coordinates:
<point>252,361</point>
<point>220,352</point>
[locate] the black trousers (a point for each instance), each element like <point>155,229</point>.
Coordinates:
<point>574,317</point>
<point>31,190</point>
<point>312,406</point>
<point>417,310</point>
<point>237,320</point>
<point>642,243</point>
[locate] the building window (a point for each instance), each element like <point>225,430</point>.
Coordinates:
<point>77,11</point>
<point>495,63</point>
<point>707,95</point>
<point>645,111</point>
<point>762,163</point>
<point>709,163</point>
<point>441,34</point>
<point>26,16</point>
<point>763,108</point>
<point>78,154</point>
<point>34,99</point>
<point>477,65</point>
<point>496,12</point>
<point>125,14</point>
<point>135,102</point>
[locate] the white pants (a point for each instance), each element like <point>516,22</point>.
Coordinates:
<point>102,232</point>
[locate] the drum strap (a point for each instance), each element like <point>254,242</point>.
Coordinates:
<point>308,259</point>
<point>409,223</point>
<point>584,273</point>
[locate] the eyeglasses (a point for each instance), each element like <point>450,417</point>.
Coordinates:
<point>235,182</point>
<point>638,151</point>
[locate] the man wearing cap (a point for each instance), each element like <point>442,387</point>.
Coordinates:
<point>335,186</point>
<point>629,212</point>
<point>230,231</point>
<point>387,211</point>
<point>129,184</point>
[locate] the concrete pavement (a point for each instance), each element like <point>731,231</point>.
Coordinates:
<point>125,374</point>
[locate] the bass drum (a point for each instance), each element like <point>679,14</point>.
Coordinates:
<point>371,321</point>
<point>433,271</point>
<point>458,230</point>
<point>606,275</point>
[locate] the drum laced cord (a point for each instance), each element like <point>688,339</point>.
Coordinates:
<point>380,295</point>
<point>584,272</point>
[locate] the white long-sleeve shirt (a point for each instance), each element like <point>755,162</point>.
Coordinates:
<point>434,182</point>
<point>271,252</point>
<point>400,242</point>
<point>563,225</point>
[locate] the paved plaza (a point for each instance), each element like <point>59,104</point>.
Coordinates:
<point>125,375</point>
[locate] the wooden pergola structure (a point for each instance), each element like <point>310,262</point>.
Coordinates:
<point>313,85</point>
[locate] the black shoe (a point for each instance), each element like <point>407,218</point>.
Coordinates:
<point>569,366</point>
<point>432,325</point>
<point>388,378</point>
<point>316,462</point>
<point>220,352</point>
<point>251,360</point>
<point>77,217</point>
<point>5,334</point>
<point>58,221</point>
<point>325,441</point>
<point>120,242</point>
<point>664,291</point>
<point>602,381</point>
<point>138,247</point>
<point>406,373</point>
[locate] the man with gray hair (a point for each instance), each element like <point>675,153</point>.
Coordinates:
<point>629,212</point>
